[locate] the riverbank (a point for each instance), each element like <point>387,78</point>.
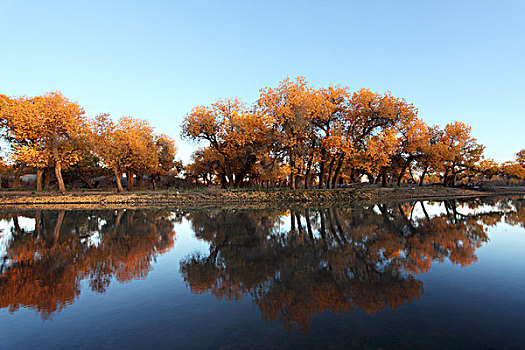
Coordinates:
<point>217,198</point>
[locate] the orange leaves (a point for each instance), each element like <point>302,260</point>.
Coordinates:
<point>236,137</point>
<point>459,147</point>
<point>329,133</point>
<point>50,130</point>
<point>314,136</point>
<point>131,145</point>
<point>512,169</point>
<point>44,131</point>
<point>520,157</point>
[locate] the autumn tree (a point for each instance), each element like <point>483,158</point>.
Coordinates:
<point>165,151</point>
<point>129,146</point>
<point>460,151</point>
<point>488,168</point>
<point>46,129</point>
<point>512,170</point>
<point>432,154</point>
<point>235,135</point>
<point>328,116</point>
<point>520,158</point>
<point>368,114</point>
<point>290,106</point>
<point>9,109</point>
<point>109,143</point>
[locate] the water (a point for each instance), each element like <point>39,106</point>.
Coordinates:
<point>413,275</point>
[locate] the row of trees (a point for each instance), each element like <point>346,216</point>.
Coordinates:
<point>51,132</point>
<point>294,135</point>
<point>304,137</point>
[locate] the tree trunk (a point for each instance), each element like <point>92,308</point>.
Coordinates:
<point>58,174</point>
<point>337,170</point>
<point>239,177</point>
<point>224,183</point>
<point>445,176</point>
<point>18,173</point>
<point>47,177</point>
<point>383,180</point>
<point>292,173</point>
<point>308,171</point>
<point>229,183</point>
<point>154,181</point>
<point>86,180</point>
<point>330,173</point>
<point>321,170</point>
<point>39,172</point>
<point>411,174</point>
<point>423,177</point>
<point>117,180</point>
<point>129,177</point>
<point>401,173</point>
<point>451,180</point>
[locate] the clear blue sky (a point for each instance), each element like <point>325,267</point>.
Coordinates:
<point>455,60</point>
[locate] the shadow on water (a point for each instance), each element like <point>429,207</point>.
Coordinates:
<point>293,264</point>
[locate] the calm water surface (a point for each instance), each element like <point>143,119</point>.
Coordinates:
<point>415,275</point>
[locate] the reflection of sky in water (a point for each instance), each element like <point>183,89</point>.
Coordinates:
<point>6,226</point>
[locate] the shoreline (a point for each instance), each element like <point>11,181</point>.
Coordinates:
<point>243,198</point>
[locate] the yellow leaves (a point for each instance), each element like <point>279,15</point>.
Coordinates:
<point>33,156</point>
<point>512,169</point>
<point>131,145</point>
<point>520,157</point>
<point>43,129</point>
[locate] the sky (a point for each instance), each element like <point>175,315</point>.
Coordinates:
<point>156,60</point>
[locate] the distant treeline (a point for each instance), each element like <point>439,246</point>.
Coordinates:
<point>294,136</point>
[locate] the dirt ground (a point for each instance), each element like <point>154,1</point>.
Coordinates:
<point>218,198</point>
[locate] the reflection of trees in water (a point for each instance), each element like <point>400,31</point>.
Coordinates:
<point>517,217</point>
<point>44,267</point>
<point>333,259</point>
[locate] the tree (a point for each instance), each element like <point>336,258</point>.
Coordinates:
<point>290,106</point>
<point>413,137</point>
<point>235,137</point>
<point>511,170</point>
<point>460,151</point>
<point>368,114</point>
<point>109,143</point>
<point>46,129</point>
<point>432,152</point>
<point>130,147</point>
<point>520,157</point>
<point>165,151</point>
<point>328,115</point>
